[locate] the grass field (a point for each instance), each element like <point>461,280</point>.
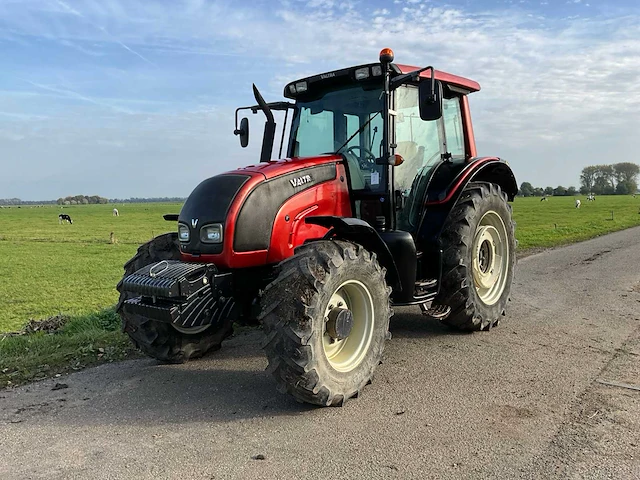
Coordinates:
<point>557,221</point>
<point>50,269</point>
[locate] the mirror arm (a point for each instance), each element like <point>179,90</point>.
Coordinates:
<point>413,76</point>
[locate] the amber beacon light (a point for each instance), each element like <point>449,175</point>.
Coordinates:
<point>386,55</point>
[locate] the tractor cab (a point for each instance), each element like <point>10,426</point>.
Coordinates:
<point>393,124</point>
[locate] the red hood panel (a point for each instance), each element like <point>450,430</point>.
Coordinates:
<point>276,168</point>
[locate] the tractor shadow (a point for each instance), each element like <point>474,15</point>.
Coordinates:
<point>408,322</point>
<point>229,385</point>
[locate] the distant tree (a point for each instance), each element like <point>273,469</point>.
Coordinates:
<point>587,178</point>
<point>559,190</point>
<point>571,191</point>
<point>604,183</point>
<point>584,190</point>
<point>538,192</point>
<point>548,191</point>
<point>626,172</point>
<point>626,188</point>
<point>526,189</point>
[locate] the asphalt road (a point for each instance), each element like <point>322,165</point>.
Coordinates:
<point>521,401</point>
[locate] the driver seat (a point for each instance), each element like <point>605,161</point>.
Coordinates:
<point>357,177</point>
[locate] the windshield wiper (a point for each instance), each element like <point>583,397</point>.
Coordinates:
<point>357,132</point>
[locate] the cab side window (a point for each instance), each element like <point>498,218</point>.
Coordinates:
<point>453,129</point>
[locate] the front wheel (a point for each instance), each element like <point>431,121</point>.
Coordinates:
<point>478,258</point>
<point>326,317</point>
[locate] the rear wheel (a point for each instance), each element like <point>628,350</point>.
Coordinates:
<point>161,340</point>
<point>326,318</point>
<point>478,258</point>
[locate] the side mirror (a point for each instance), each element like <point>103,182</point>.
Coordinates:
<point>430,100</point>
<point>243,131</point>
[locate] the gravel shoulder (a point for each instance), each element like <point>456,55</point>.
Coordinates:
<point>521,401</point>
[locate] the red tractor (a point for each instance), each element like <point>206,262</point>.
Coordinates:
<point>381,201</point>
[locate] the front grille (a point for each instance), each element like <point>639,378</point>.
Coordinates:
<point>170,279</point>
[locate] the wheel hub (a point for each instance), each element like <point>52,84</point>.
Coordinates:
<point>348,329</point>
<point>340,323</point>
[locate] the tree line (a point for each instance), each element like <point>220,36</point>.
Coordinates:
<point>616,179</point>
<point>147,200</point>
<point>89,200</point>
<point>82,200</point>
<point>17,201</point>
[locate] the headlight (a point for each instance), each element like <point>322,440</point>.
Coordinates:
<point>183,233</point>
<point>211,233</point>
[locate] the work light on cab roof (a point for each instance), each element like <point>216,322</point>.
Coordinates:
<point>379,199</point>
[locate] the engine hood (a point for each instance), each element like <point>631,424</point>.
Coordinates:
<point>251,195</point>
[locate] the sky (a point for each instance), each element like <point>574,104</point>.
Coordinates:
<point>136,98</point>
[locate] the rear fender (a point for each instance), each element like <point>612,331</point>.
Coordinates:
<point>486,169</point>
<point>360,232</point>
<point>441,201</point>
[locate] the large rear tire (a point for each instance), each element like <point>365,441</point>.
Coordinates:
<point>478,258</point>
<point>162,340</point>
<point>326,318</point>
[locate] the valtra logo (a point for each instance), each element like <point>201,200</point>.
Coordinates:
<point>298,182</point>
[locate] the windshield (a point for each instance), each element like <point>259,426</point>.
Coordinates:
<point>347,121</point>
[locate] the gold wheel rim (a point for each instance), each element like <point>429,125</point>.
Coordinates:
<point>490,263</point>
<point>346,354</point>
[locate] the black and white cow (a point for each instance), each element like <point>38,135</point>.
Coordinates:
<point>63,217</point>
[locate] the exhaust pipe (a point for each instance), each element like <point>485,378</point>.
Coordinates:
<point>269,127</point>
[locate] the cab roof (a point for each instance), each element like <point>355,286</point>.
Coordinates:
<point>347,75</point>
<point>448,78</point>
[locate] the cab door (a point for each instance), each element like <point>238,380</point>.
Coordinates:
<point>422,145</point>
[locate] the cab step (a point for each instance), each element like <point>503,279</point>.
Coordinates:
<point>426,284</point>
<point>435,310</point>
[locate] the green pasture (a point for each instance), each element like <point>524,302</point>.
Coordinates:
<point>556,221</point>
<point>50,268</point>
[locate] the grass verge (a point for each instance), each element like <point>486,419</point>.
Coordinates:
<point>81,342</point>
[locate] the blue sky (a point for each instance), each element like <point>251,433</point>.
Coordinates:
<point>136,98</point>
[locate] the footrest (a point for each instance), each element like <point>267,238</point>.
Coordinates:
<point>435,310</point>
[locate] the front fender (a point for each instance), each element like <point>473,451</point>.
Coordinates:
<point>360,232</point>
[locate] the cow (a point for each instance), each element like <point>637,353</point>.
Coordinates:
<point>63,217</point>
<point>578,203</point>
<point>543,199</point>
<point>591,197</point>
<point>116,213</point>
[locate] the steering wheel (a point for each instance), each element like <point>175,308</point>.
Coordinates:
<point>369,159</point>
